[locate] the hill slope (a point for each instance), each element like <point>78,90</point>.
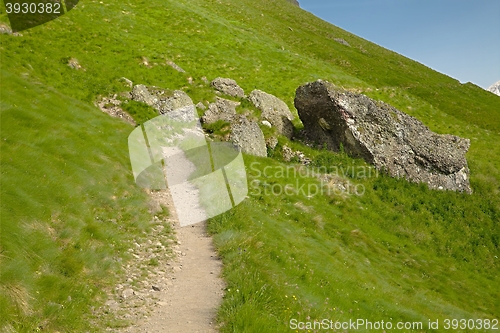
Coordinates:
<point>399,251</point>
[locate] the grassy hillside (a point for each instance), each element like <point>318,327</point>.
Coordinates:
<point>69,206</point>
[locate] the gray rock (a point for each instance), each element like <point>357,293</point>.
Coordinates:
<point>111,106</point>
<point>201,106</point>
<point>140,93</point>
<point>5,29</point>
<point>73,63</point>
<point>176,103</point>
<point>287,153</point>
<point>145,61</point>
<point>170,101</point>
<point>128,82</point>
<point>228,87</point>
<point>175,66</point>
<point>245,133</point>
<point>382,135</point>
<point>271,142</point>
<point>294,2</point>
<point>222,109</point>
<point>342,41</point>
<point>273,110</point>
<point>248,136</point>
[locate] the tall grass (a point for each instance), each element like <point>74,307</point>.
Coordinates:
<point>69,211</point>
<point>400,252</point>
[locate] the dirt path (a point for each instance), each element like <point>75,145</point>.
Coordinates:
<point>170,292</point>
<point>190,303</point>
<point>189,291</point>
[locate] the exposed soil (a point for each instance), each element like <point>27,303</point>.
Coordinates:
<point>180,294</point>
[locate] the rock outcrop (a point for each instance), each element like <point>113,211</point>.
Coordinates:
<point>228,87</point>
<point>175,66</point>
<point>288,154</point>
<point>294,2</point>
<point>177,103</point>
<point>111,106</point>
<point>274,110</point>
<point>341,41</point>
<point>74,64</point>
<point>222,109</point>
<point>495,88</point>
<point>383,136</point>
<point>245,133</point>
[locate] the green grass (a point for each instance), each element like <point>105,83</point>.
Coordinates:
<point>398,251</point>
<point>70,208</point>
<point>218,128</point>
<point>140,112</point>
<point>69,205</point>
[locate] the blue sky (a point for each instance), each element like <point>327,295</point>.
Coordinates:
<point>460,38</point>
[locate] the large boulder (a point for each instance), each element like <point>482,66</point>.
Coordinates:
<point>273,110</point>
<point>247,135</point>
<point>228,87</point>
<point>176,103</point>
<point>382,135</point>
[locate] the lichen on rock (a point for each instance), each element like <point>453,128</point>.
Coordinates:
<point>274,110</point>
<point>228,87</point>
<point>383,136</point>
<point>176,103</point>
